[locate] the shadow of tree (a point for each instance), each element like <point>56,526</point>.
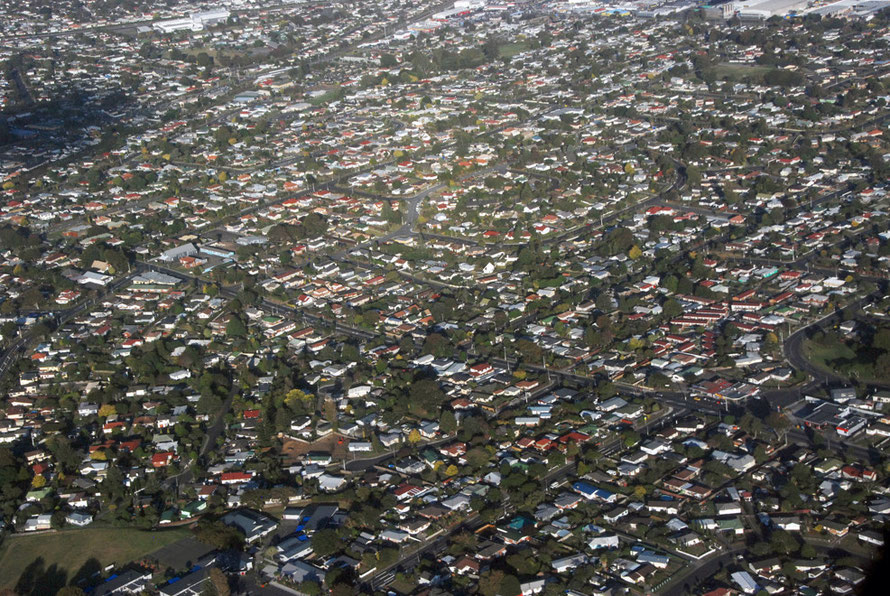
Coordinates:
<point>36,580</point>
<point>29,576</point>
<point>90,568</point>
<point>53,580</point>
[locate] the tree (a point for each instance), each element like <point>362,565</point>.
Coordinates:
<point>807,551</point>
<point>778,423</point>
<point>426,395</point>
<point>760,454</point>
<point>451,470</point>
<point>350,353</point>
<point>510,586</point>
<point>235,328</point>
<point>297,399</point>
<point>414,437</point>
<point>107,410</point>
<point>477,458</point>
<point>388,61</point>
<point>218,535</point>
<point>882,366</point>
<point>447,422</point>
<point>490,582</point>
<point>310,588</point>
<point>881,339</point>
<point>671,308</point>
<point>67,457</point>
<point>326,542</point>
<point>751,424</point>
<point>219,582</point>
<point>783,542</point>
<point>630,438</point>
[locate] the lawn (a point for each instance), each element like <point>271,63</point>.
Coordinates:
<point>508,50</point>
<point>822,354</point>
<point>71,554</point>
<point>740,72</point>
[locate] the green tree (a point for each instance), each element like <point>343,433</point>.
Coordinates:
<point>672,308</point>
<point>326,542</point>
<point>447,422</point>
<point>236,328</point>
<point>426,394</point>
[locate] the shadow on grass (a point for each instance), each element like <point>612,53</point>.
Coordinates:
<point>39,580</point>
<point>87,573</point>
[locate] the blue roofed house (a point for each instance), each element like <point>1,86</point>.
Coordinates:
<point>593,493</point>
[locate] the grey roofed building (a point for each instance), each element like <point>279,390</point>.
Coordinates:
<point>154,277</point>
<point>252,524</point>
<point>298,571</point>
<point>317,517</point>
<point>294,547</point>
<point>251,240</point>
<point>131,581</point>
<point>192,584</point>
<point>186,250</point>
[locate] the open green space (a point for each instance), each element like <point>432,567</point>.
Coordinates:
<point>822,353</point>
<point>58,558</point>
<point>508,50</point>
<point>867,361</point>
<point>740,72</point>
<point>753,74</point>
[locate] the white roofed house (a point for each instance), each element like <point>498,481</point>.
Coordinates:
<point>745,582</point>
<point>186,250</point>
<point>79,518</point>
<point>459,501</point>
<point>330,483</point>
<point>396,536</point>
<point>38,522</point>
<point>727,508</point>
<point>569,563</point>
<point>603,541</point>
<point>91,277</point>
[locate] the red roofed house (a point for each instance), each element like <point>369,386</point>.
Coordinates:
<point>162,459</point>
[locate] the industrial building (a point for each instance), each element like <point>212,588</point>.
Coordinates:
<point>761,10</point>
<point>197,21</point>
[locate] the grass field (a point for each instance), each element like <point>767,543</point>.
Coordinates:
<point>822,354</point>
<point>850,360</point>
<point>508,50</point>
<point>740,72</point>
<point>71,554</point>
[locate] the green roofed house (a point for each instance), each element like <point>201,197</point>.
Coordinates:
<point>827,465</point>
<point>430,456</point>
<point>192,509</point>
<point>733,524</point>
<point>38,494</point>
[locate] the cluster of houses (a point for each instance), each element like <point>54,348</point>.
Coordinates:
<point>444,220</point>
